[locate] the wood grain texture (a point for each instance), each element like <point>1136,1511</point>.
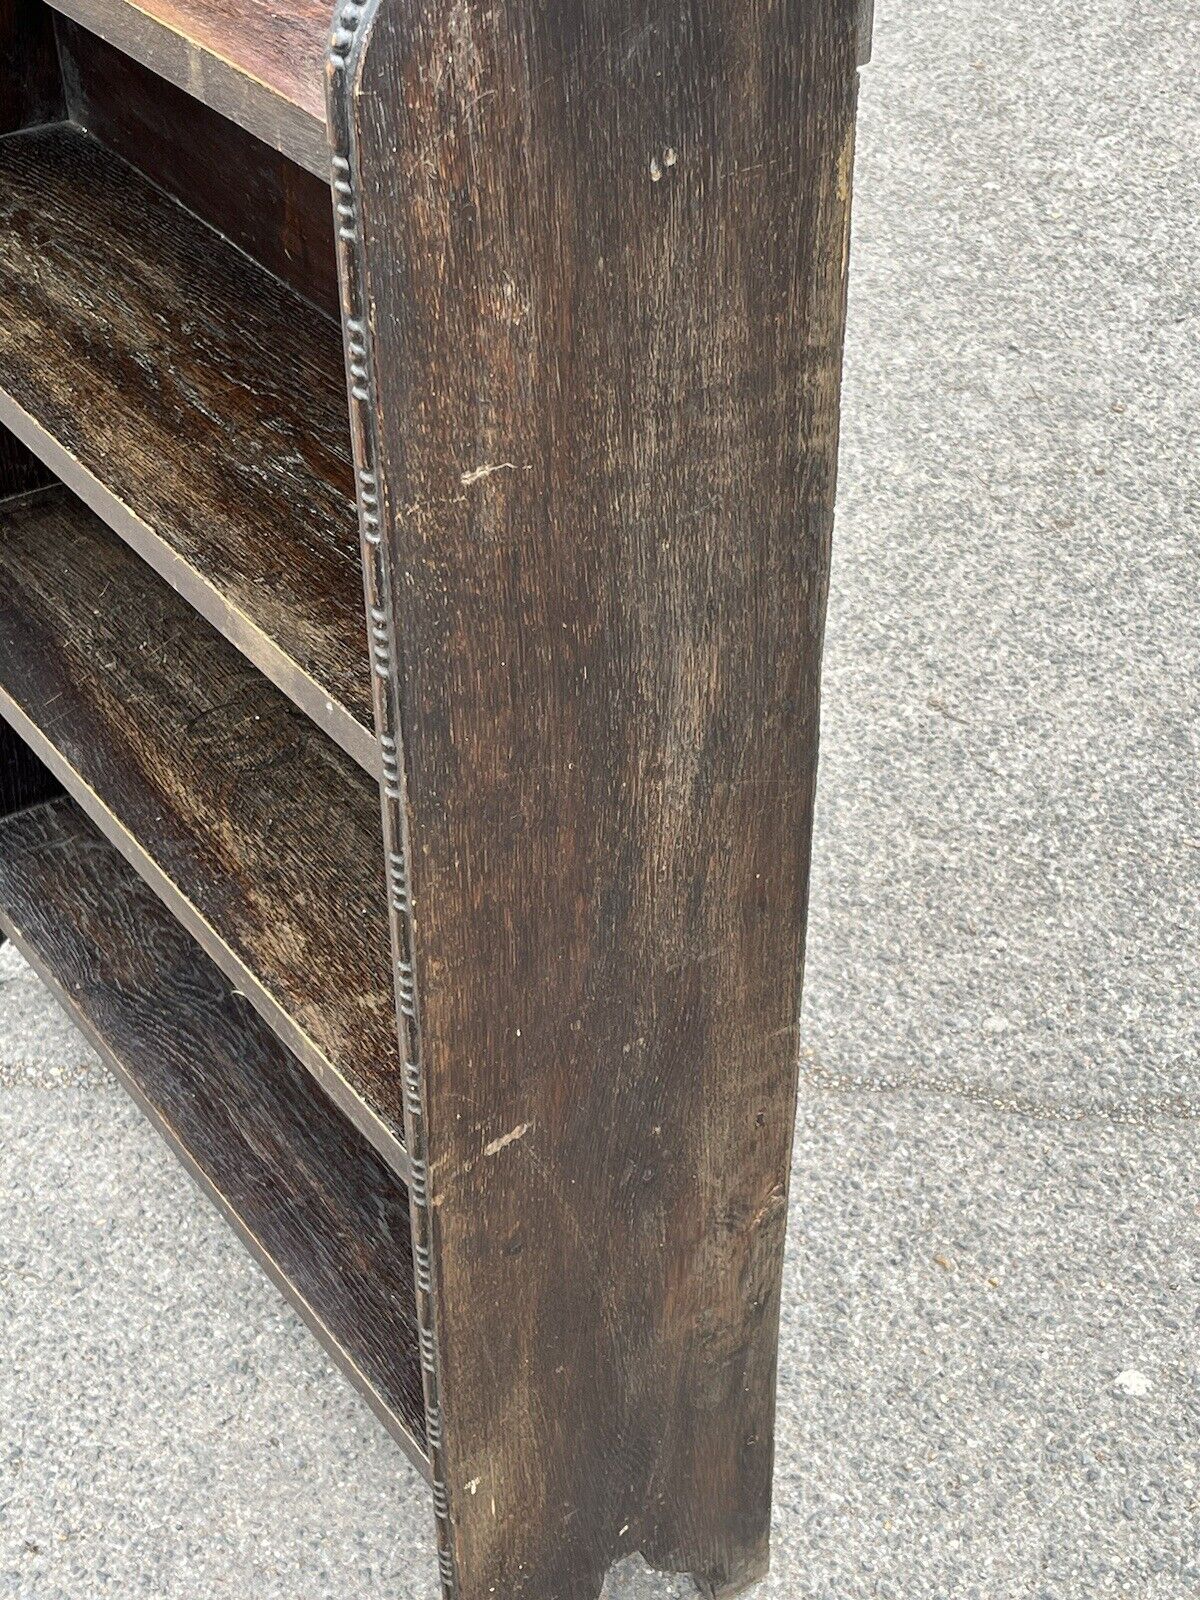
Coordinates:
<point>196,405</point>
<point>255,829</point>
<point>595,301</point>
<point>258,62</point>
<point>275,211</point>
<point>30,86</point>
<point>314,1201</point>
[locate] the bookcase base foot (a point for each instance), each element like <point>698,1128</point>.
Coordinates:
<point>735,1573</point>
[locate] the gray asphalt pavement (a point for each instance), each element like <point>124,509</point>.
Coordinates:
<point>990,1384</point>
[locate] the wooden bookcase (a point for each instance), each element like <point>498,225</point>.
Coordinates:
<point>417,452</point>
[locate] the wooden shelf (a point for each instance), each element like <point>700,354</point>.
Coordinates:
<point>194,403</point>
<point>312,1199</point>
<point>261,63</point>
<point>255,829</point>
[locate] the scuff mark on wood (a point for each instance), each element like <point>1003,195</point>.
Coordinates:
<point>468,478</point>
<point>506,1139</point>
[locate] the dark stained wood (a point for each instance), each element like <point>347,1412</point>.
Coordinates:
<point>23,779</point>
<point>196,405</point>
<point>21,473</point>
<point>595,291</point>
<point>252,826</point>
<point>30,86</point>
<point>275,211</point>
<point>258,62</point>
<point>314,1201</point>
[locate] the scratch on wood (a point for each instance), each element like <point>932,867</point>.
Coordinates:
<point>469,478</point>
<point>507,1139</point>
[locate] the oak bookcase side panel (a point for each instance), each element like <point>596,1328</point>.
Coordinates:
<point>594,295</point>
<point>377,586</point>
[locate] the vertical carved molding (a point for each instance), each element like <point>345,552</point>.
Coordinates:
<point>351,25</point>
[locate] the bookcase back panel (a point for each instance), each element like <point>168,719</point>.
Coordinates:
<point>30,88</point>
<point>20,470</point>
<point>23,778</point>
<point>275,211</point>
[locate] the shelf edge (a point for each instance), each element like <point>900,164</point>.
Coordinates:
<point>211,79</point>
<point>347,1100</point>
<point>345,1362</point>
<point>301,688</point>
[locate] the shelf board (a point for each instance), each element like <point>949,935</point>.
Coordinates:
<point>256,830</point>
<point>197,405</point>
<point>311,1198</point>
<point>261,63</point>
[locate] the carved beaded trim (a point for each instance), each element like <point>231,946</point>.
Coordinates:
<point>347,31</point>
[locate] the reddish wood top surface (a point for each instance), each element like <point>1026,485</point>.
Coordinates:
<point>279,43</point>
<point>259,62</point>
